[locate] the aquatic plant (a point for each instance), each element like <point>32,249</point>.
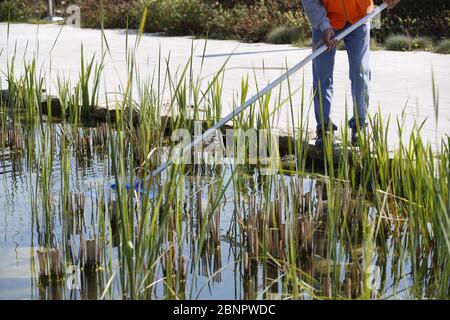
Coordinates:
<point>322,227</point>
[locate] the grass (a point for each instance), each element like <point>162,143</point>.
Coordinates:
<point>274,21</point>
<point>443,47</point>
<point>395,43</point>
<point>283,35</point>
<point>89,99</point>
<point>398,42</point>
<point>298,233</point>
<point>422,43</point>
<point>231,19</point>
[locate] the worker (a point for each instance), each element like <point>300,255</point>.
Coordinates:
<point>329,18</point>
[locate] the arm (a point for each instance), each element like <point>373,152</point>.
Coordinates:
<point>317,14</point>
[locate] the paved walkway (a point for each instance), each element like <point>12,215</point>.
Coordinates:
<point>401,80</point>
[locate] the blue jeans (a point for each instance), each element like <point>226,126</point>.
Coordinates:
<point>357,44</point>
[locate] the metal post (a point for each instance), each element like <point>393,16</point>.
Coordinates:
<point>50,8</point>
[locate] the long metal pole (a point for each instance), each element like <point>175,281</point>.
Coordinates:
<point>272,85</point>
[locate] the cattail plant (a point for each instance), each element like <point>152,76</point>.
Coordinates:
<point>311,230</point>
<point>90,254</point>
<point>76,203</point>
<point>50,263</point>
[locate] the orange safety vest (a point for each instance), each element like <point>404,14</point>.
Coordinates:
<point>342,11</point>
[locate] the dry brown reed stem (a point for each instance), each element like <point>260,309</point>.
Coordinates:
<point>215,227</point>
<point>168,263</point>
<point>100,135</point>
<point>82,143</point>
<point>245,263</point>
<point>283,229</point>
<point>76,203</point>
<point>182,268</point>
<point>15,138</point>
<point>182,277</point>
<point>210,259</point>
<point>278,209</point>
<point>90,254</point>
<point>252,228</point>
<point>327,287</point>
<point>217,264</point>
<point>214,223</point>
<point>75,223</point>
<point>319,239</point>
<point>51,290</point>
<point>44,269</point>
<point>346,202</point>
<point>348,287</point>
<point>274,231</point>
<point>298,196</point>
<point>307,208</point>
<point>357,283</point>
<point>275,243</point>
<point>171,226</point>
<point>319,206</point>
<point>198,207</point>
<point>263,223</point>
<point>306,225</point>
<point>50,263</point>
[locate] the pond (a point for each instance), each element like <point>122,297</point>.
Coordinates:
<point>221,231</point>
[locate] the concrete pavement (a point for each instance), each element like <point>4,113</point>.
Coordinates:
<point>400,80</point>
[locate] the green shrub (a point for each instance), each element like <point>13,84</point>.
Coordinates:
<point>116,14</point>
<point>304,43</point>
<point>418,18</point>
<point>298,19</point>
<point>422,43</point>
<point>248,21</point>
<point>398,42</point>
<point>12,11</point>
<point>253,23</point>
<point>177,17</point>
<point>283,35</point>
<point>443,47</point>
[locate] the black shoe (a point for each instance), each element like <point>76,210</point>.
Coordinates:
<point>354,138</point>
<point>320,134</point>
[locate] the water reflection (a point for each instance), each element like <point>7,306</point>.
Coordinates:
<point>269,237</point>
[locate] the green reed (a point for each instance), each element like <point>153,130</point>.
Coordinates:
<point>369,207</point>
